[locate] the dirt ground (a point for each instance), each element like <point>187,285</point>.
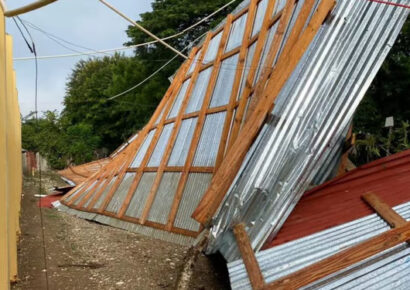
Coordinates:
<point>86,255</point>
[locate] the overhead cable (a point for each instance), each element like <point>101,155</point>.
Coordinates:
<point>105,51</point>
<point>154,73</point>
<point>143,29</point>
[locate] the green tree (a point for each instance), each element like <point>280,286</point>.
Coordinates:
<point>389,95</point>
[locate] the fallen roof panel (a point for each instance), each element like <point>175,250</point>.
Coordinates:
<point>311,112</point>
<point>339,200</point>
<point>387,268</point>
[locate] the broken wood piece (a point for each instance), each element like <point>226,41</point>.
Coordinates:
<point>248,256</point>
<point>343,259</point>
<point>384,210</point>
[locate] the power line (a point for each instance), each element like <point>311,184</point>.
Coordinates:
<point>140,27</point>
<point>32,49</point>
<point>155,72</point>
<point>59,39</point>
<point>105,51</point>
<point>391,3</point>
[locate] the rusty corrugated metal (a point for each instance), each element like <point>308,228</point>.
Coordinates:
<point>339,200</point>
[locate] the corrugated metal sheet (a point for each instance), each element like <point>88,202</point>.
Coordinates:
<point>104,194</point>
<point>183,142</point>
<point>339,201</point>
<point>388,269</point>
<point>82,195</point>
<point>260,14</point>
<point>212,48</point>
<point>120,194</point>
<point>178,100</point>
<point>194,189</point>
<point>224,83</point>
<point>209,142</point>
<point>90,198</point>
<point>236,33</point>
<point>143,149</point>
<point>318,102</point>
<point>159,150</point>
<point>198,94</point>
<point>163,199</point>
<point>139,197</point>
<point>132,227</point>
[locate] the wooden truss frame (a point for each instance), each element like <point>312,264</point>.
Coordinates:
<point>399,234</point>
<point>251,99</point>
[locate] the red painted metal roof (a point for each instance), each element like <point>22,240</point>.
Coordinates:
<point>339,200</point>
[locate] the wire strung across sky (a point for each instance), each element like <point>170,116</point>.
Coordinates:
<point>111,50</point>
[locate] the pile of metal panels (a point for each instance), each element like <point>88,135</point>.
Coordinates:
<point>311,113</point>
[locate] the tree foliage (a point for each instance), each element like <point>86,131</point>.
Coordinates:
<point>61,146</point>
<point>389,95</point>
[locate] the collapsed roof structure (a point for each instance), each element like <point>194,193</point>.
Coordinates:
<point>334,217</point>
<point>75,175</point>
<point>257,114</point>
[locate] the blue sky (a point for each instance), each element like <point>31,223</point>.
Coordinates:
<point>85,22</point>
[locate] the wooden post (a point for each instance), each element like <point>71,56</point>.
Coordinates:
<point>248,256</point>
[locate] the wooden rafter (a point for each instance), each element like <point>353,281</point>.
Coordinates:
<point>199,124</point>
<point>156,137</point>
<point>283,69</point>
<point>237,80</point>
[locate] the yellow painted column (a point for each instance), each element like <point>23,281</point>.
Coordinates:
<point>4,272</point>
<point>12,169</point>
<point>19,161</point>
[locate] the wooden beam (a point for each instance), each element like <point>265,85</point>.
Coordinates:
<point>178,122</point>
<point>384,210</point>
<point>248,256</point>
<point>237,81</point>
<point>343,259</point>
<point>166,102</point>
<point>157,135</point>
<point>200,123</point>
<point>257,58</point>
<point>285,66</point>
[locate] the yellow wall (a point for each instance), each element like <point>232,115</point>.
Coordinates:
<point>10,162</point>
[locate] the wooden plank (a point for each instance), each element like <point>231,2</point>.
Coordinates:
<point>248,256</point>
<point>343,259</point>
<point>229,168</point>
<point>167,101</point>
<point>247,91</point>
<point>384,210</point>
<point>157,135</point>
<point>238,76</point>
<point>125,156</point>
<point>200,123</point>
<point>290,43</point>
<point>237,81</point>
<point>174,133</point>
